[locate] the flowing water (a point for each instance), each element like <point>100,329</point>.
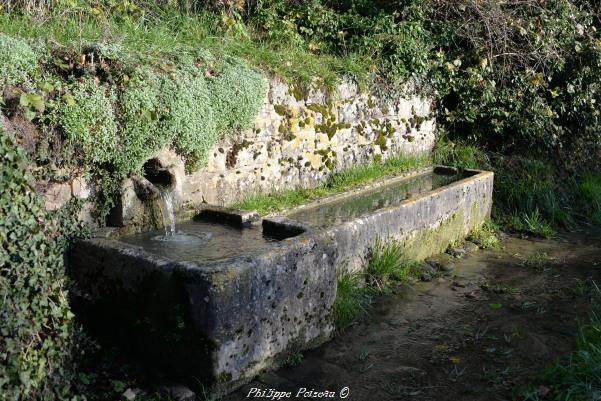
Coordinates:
<point>167,212</point>
<point>349,208</point>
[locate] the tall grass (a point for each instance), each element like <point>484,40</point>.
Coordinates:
<point>590,188</point>
<point>388,264</point>
<point>354,292</point>
<point>530,195</point>
<point>168,33</point>
<point>352,299</point>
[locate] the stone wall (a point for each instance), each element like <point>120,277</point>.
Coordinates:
<point>298,140</point>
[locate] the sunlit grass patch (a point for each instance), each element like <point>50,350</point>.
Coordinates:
<point>342,181</point>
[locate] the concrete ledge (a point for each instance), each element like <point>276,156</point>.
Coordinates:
<point>226,215</point>
<point>425,224</point>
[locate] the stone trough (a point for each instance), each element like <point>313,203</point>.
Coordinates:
<point>250,292</point>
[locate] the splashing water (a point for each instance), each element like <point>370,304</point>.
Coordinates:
<point>168,203</point>
<point>173,236</point>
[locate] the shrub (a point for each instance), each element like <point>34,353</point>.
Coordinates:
<point>237,93</point>
<point>18,61</point>
<point>142,111</point>
<point>36,321</point>
<point>87,118</point>
<point>191,119</point>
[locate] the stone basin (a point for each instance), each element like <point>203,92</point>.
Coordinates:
<point>239,300</point>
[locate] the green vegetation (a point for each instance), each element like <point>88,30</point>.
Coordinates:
<point>339,182</point>
<point>355,291</point>
<point>233,95</point>
<point>486,236</point>
<point>531,194</point>
<point>35,337</point>
<point>590,188</point>
<point>88,120</point>
<point>352,299</point>
<point>18,62</point>
<point>163,34</point>
<point>388,264</point>
<point>115,110</point>
<point>576,376</point>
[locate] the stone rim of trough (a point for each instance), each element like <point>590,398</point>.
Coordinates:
<point>471,174</point>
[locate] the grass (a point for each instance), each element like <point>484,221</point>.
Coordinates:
<point>352,299</point>
<point>173,33</point>
<point>355,291</point>
<point>538,261</point>
<point>339,182</point>
<point>590,189</point>
<point>530,194</point>
<point>388,264</point>
<point>486,236</point>
<point>576,376</point>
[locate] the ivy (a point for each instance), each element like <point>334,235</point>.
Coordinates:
<point>35,335</point>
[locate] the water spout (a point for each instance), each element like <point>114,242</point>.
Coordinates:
<point>168,214</point>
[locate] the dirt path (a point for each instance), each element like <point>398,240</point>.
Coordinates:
<point>477,334</point>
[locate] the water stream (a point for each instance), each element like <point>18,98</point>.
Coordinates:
<point>167,197</point>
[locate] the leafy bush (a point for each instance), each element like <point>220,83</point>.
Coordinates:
<point>87,118</point>
<point>36,320</point>
<point>18,61</point>
<point>237,93</point>
<point>142,110</point>
<point>191,117</point>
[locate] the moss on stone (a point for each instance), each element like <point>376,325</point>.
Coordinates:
<point>428,241</point>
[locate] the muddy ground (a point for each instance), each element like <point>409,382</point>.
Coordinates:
<point>480,333</point>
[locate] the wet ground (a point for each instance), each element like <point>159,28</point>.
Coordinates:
<point>479,333</point>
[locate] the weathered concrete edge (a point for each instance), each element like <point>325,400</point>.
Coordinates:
<point>281,298</point>
<point>424,213</point>
<point>380,182</point>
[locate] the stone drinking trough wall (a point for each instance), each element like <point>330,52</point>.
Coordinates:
<point>425,224</point>
<point>223,322</point>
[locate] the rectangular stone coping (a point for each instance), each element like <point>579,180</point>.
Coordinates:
<point>289,235</point>
<point>472,174</point>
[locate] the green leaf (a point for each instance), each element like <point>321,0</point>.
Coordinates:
<point>495,306</point>
<point>69,99</point>
<point>24,100</point>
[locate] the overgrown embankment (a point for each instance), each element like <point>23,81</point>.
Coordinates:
<point>105,111</point>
